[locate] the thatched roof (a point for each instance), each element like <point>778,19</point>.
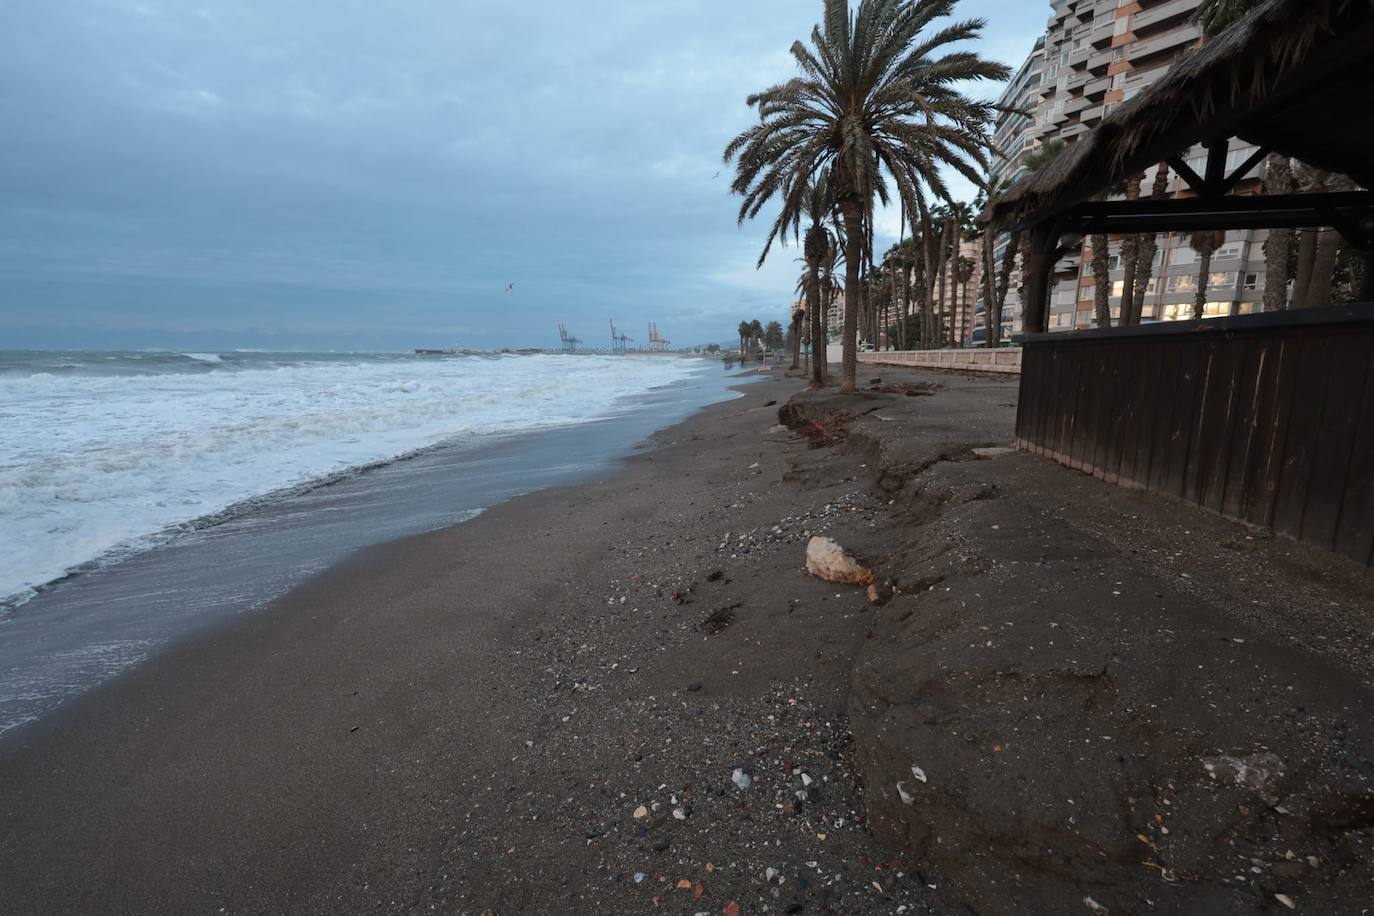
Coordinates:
<point>1294,76</point>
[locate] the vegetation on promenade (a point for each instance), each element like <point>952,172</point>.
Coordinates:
<point>874,115</point>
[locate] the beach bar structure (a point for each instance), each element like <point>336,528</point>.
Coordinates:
<point>1266,418</point>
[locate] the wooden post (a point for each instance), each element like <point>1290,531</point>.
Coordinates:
<point>1044,237</point>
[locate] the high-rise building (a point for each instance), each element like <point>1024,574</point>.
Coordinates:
<point>1013,141</point>
<point>1094,56</point>
<point>1018,102</point>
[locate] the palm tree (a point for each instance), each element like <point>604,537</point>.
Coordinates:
<point>772,336</point>
<point>873,102</point>
<point>963,274</point>
<point>1215,15</point>
<point>743,338</point>
<point>755,332</point>
<point>818,247</point>
<point>1205,242</point>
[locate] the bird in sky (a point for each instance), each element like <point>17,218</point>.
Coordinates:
<point>510,286</point>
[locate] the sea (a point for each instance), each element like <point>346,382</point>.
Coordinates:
<point>146,495</point>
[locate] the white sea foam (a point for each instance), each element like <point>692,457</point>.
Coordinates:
<point>94,464</point>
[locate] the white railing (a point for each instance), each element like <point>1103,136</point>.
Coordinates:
<point>1004,360</point>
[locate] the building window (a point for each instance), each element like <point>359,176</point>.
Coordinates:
<point>1253,281</point>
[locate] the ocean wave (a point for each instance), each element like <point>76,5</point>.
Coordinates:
<point>95,467</point>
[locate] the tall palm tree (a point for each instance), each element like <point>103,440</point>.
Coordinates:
<point>743,338</point>
<point>1205,242</point>
<point>876,104</point>
<point>819,244</point>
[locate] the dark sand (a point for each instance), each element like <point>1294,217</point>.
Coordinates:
<point>467,720</point>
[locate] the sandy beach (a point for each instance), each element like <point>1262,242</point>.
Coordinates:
<point>628,697</point>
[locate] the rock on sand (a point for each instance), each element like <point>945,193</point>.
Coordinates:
<point>827,560</point>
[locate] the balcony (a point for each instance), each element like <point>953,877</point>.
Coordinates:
<point>1094,89</point>
<point>1150,19</point>
<point>1170,42</point>
<point>1075,103</point>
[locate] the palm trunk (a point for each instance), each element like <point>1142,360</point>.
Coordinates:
<point>902,305</point>
<point>1003,283</point>
<point>794,330</point>
<point>1307,254</point>
<point>945,326</point>
<point>1323,268</point>
<point>1149,245</point>
<point>1204,273</point>
<point>1023,293</point>
<point>1312,180</point>
<point>989,286</point>
<point>1130,258</point>
<point>1102,281</point>
<point>852,213</point>
<point>1278,179</point>
<point>813,298</point>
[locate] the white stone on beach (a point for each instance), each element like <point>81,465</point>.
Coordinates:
<point>827,560</point>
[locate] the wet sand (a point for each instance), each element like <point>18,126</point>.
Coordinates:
<point>468,720</point>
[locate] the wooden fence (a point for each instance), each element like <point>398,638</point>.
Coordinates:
<point>1264,418</point>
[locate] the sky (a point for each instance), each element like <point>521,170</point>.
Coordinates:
<point>298,174</point>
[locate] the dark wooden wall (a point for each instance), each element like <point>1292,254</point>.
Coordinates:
<point>1264,418</point>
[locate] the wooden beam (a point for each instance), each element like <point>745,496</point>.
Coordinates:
<point>1044,242</point>
<point>1216,167</point>
<point>1254,211</point>
<point>1185,171</point>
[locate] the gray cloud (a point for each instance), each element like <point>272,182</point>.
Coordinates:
<point>366,174</point>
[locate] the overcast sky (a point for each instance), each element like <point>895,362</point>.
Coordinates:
<point>365,174</point>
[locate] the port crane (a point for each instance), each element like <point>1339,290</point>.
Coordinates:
<point>657,343</point>
<point>567,341</point>
<point>619,339</point>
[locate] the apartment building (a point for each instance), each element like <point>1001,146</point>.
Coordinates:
<point>1013,142</point>
<point>1021,98</point>
<point>1095,56</point>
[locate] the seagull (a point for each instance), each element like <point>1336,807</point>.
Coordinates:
<point>715,176</point>
<point>510,286</point>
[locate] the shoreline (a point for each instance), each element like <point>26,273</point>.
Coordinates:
<point>119,610</point>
